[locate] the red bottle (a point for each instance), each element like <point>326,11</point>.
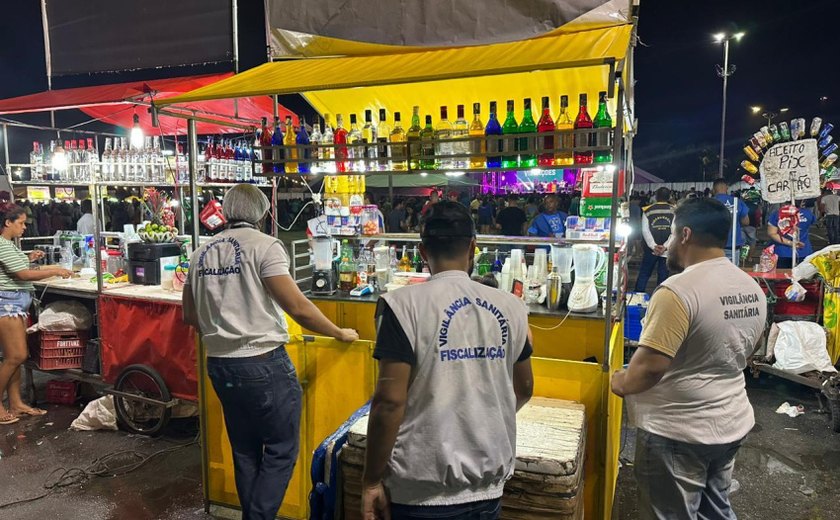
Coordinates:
<point>340,140</point>
<point>265,142</point>
<point>546,125</point>
<point>583,121</point>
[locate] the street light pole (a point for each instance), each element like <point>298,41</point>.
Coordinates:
<point>726,74</point>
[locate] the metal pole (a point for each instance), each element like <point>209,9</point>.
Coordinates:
<point>723,113</point>
<point>733,245</point>
<point>618,163</point>
<point>235,15</point>
<point>6,149</point>
<point>192,144</point>
<point>47,54</point>
<point>97,234</point>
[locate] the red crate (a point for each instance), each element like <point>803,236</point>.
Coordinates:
<point>59,363</point>
<point>56,350</point>
<point>61,391</point>
<point>64,339</point>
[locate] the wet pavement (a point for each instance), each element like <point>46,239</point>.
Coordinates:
<point>789,468</point>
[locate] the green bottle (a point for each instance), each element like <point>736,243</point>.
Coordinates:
<point>509,145</point>
<point>603,120</point>
<point>417,261</point>
<point>527,126</point>
<point>413,138</point>
<point>427,146</point>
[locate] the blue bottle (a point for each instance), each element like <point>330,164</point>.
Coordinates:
<point>494,144</point>
<point>277,140</point>
<point>304,152</point>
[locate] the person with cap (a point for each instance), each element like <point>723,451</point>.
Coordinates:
<point>454,368</point>
<point>434,198</point>
<point>237,292</point>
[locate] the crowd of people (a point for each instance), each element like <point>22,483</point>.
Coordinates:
<point>44,219</point>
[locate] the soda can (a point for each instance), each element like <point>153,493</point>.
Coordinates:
<point>750,167</point>
<point>748,179</point>
<point>751,153</point>
<point>794,129</point>
<point>815,126</point>
<point>784,130</point>
<point>831,173</point>
<point>825,142</point>
<point>767,135</point>
<point>774,131</point>
<point>802,128</point>
<point>829,150</point>
<point>762,142</point>
<point>826,129</point>
<point>831,159</point>
<point>756,146</point>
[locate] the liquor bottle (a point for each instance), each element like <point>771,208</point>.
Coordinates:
<point>497,264</point>
<point>383,132</point>
<point>603,120</point>
<point>546,125</point>
<point>72,160</point>
<point>413,138</point>
<point>405,263</point>
<point>35,162</point>
<point>315,140</point>
<point>289,142</point>
<point>398,150</point>
<point>427,146</point>
<point>369,138</point>
<point>357,148</point>
<point>583,139</point>
<point>219,161</point>
<point>510,159</point>
<point>237,162</point>
<point>443,132</point>
<point>325,151</point>
<point>93,161</point>
<point>564,156</point>
<point>121,161</point>
<point>340,138</point>
<point>265,143</point>
<point>494,143</point>
<point>303,150</point>
<point>527,126</point>
<point>485,266</point>
<point>346,269</point>
<point>460,130</point>
<point>278,152</point>
<point>417,261</point>
<point>477,144</point>
<point>107,161</point>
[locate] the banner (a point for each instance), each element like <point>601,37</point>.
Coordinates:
<point>62,193</point>
<point>38,193</point>
<point>790,170</point>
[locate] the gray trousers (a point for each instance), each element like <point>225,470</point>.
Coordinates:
<point>681,481</point>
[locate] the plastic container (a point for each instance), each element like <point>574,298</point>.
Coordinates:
<point>56,350</point>
<point>180,278</point>
<point>370,220</point>
<point>60,391</point>
<point>168,277</point>
<point>114,262</point>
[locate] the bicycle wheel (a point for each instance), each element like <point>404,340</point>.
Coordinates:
<point>134,415</point>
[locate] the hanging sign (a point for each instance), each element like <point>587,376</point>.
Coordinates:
<point>38,193</point>
<point>65,193</point>
<point>790,170</point>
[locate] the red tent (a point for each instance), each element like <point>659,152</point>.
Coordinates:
<point>116,104</point>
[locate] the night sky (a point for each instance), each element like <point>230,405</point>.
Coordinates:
<point>788,58</point>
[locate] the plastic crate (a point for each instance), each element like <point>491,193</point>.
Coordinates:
<point>61,391</point>
<point>54,339</point>
<point>57,350</point>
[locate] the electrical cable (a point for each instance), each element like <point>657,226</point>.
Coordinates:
<point>548,329</point>
<point>100,467</point>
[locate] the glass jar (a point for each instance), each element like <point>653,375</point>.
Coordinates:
<point>168,277</point>
<point>180,279</point>
<point>370,224</point>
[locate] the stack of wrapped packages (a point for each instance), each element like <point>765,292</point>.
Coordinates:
<point>548,479</point>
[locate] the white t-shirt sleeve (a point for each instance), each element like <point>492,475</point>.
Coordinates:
<point>275,262</point>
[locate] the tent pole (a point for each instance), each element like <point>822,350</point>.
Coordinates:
<point>47,54</point>
<point>235,15</point>
<point>192,144</point>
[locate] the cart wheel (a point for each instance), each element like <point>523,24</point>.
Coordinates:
<point>139,416</point>
<point>834,406</point>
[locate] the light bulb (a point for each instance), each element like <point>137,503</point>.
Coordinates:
<point>59,159</point>
<point>136,139</point>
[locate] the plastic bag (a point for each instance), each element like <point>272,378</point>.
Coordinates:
<point>795,292</point>
<point>65,315</point>
<point>97,415</point>
<point>800,347</point>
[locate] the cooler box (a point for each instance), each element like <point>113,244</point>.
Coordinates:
<point>548,478</point>
<point>147,260</point>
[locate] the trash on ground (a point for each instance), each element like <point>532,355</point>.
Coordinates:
<point>97,415</point>
<point>805,490</point>
<point>789,410</point>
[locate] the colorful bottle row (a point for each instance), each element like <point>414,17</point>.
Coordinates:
<point>769,135</point>
<point>376,146</point>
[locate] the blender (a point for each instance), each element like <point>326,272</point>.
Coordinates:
<point>560,279</point>
<point>589,259</point>
<point>323,274</point>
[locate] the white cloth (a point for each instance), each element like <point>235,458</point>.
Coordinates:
<point>236,314</point>
<point>85,225</point>
<point>831,202</point>
<point>702,398</point>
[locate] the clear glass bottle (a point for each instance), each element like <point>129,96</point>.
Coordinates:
<point>107,161</point>
<point>477,144</point>
<point>369,138</point>
<point>325,151</point>
<point>357,148</point>
<point>35,162</point>
<point>461,130</point>
<point>443,132</point>
<point>315,142</point>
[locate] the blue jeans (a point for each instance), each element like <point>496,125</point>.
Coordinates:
<point>650,262</point>
<point>261,399</point>
<point>486,510</point>
<point>681,481</point>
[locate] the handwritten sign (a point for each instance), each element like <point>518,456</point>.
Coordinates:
<point>790,170</point>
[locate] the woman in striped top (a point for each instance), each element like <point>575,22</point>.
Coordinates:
<point>16,277</point>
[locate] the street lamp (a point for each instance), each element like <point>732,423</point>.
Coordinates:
<point>769,115</point>
<point>725,72</point>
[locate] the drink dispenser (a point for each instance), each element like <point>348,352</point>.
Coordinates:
<point>588,259</point>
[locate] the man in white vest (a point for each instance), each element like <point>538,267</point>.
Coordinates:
<point>685,385</point>
<point>454,368</point>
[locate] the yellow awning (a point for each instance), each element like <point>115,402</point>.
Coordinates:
<point>550,66</point>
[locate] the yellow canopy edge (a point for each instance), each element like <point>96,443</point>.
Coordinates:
<point>462,75</point>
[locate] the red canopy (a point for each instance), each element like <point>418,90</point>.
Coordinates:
<point>116,104</point>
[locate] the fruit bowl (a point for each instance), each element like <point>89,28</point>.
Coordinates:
<point>157,234</point>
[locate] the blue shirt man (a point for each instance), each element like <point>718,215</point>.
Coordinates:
<point>551,222</point>
<point>721,188</point>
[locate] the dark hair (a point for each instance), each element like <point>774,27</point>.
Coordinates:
<point>663,194</point>
<point>447,230</point>
<point>708,219</point>
<point>720,181</point>
<point>87,206</point>
<point>10,211</point>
